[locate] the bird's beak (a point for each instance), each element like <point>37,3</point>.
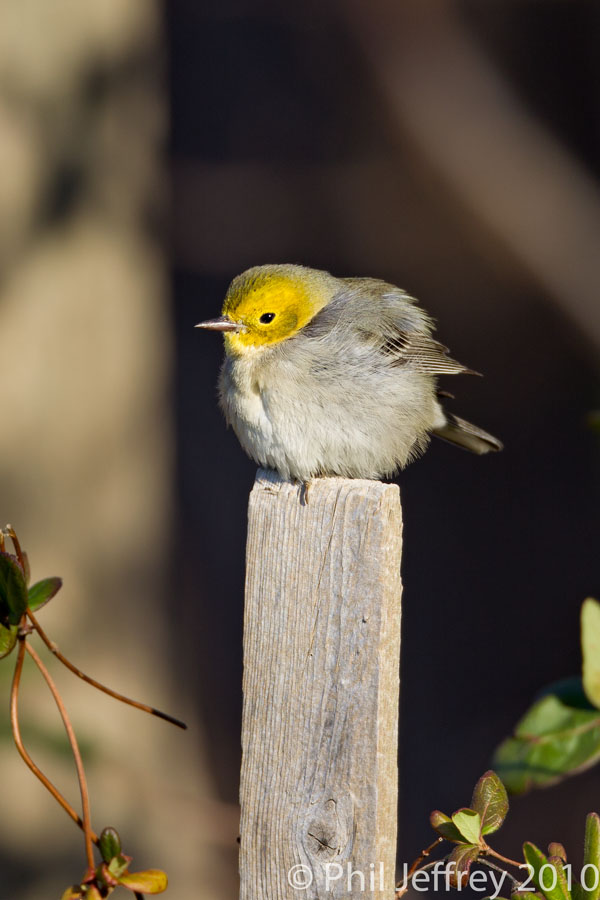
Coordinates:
<point>223,323</point>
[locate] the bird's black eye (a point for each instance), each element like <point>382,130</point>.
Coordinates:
<point>266,318</point>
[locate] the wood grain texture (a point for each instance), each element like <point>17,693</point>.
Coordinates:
<point>321,683</point>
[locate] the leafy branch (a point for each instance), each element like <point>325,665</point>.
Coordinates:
<point>18,604</point>
<point>468,829</point>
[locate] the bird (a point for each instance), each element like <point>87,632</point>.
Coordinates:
<point>326,376</point>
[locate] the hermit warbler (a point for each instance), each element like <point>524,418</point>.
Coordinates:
<point>333,376</point>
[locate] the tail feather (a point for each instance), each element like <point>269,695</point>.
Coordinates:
<point>463,434</point>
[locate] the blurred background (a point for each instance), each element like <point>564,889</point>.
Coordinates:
<point>149,153</point>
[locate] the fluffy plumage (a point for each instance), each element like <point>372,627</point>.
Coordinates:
<point>348,385</point>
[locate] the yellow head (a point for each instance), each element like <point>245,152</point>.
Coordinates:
<point>268,304</point>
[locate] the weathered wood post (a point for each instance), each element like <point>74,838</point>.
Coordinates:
<point>321,681</point>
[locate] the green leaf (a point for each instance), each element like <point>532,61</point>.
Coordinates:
<point>468,823</point>
<point>13,590</point>
<point>150,881</point>
<point>117,866</point>
<point>444,826</point>
<point>556,738</point>
<point>42,591</point>
<point>590,647</point>
<point>8,639</point>
<point>547,875</point>
<point>460,861</point>
<point>110,844</point>
<point>490,801</point>
<point>561,876</point>
<point>591,856</point>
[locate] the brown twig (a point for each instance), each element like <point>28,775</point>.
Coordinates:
<point>101,687</point>
<point>14,719</point>
<point>10,531</point>
<point>424,854</point>
<point>402,887</point>
<point>85,799</point>
<point>504,859</point>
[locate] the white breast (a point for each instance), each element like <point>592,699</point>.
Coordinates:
<point>242,403</point>
<point>354,416</point>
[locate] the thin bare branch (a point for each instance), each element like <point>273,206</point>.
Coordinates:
<point>16,730</point>
<point>403,886</point>
<point>85,798</point>
<point>101,687</point>
<point>424,853</point>
<point>504,859</point>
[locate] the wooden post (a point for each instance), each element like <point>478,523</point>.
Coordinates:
<point>321,682</point>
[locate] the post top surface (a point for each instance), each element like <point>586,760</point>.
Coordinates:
<point>270,481</point>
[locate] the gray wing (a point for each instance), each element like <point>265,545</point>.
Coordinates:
<point>421,352</point>
<point>396,326</point>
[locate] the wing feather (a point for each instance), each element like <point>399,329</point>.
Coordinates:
<point>391,322</point>
<point>423,353</point>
